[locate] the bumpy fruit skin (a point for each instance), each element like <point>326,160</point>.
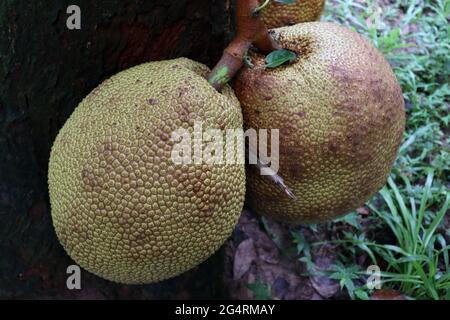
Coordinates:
<point>120,206</point>
<point>340,112</point>
<point>277,15</point>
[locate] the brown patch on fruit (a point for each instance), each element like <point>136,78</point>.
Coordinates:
<point>303,46</point>
<point>300,114</point>
<point>294,171</point>
<point>164,136</point>
<point>333,146</point>
<point>290,163</point>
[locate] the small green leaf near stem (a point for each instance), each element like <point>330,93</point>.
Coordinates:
<point>279,57</point>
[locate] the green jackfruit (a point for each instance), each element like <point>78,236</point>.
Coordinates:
<point>277,14</point>
<point>121,207</point>
<point>340,112</point>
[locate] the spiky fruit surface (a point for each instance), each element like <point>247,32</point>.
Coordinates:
<point>277,15</point>
<point>121,208</point>
<point>341,117</point>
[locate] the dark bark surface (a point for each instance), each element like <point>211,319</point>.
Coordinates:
<point>45,71</point>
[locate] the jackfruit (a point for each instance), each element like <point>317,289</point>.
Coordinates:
<point>277,14</point>
<point>121,207</point>
<point>340,112</point>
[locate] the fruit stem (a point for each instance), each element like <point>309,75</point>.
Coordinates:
<point>251,30</point>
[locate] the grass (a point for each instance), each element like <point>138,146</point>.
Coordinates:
<point>407,231</point>
<point>417,264</point>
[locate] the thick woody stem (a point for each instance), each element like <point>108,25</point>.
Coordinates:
<point>250,31</point>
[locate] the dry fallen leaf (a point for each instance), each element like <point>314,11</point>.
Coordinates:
<point>323,260</point>
<point>387,294</point>
<point>363,211</point>
<point>243,258</point>
<point>258,258</point>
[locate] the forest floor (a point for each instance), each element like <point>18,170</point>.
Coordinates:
<point>404,231</point>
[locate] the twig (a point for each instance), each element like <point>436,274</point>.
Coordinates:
<point>274,177</point>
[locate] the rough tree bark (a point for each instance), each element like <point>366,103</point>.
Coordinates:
<point>45,71</point>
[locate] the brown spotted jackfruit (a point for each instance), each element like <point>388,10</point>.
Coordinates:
<point>340,112</point>
<point>121,207</point>
<point>277,14</point>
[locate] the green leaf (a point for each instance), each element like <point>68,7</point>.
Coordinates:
<point>260,290</point>
<point>361,294</point>
<point>278,57</point>
<point>430,231</point>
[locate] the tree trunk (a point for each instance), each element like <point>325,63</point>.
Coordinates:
<point>45,71</point>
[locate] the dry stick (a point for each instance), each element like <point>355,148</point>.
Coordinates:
<point>251,30</point>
